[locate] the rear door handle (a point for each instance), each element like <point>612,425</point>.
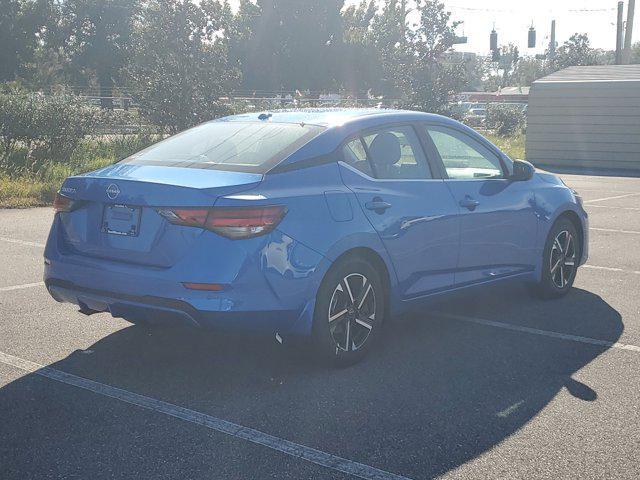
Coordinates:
<point>469,203</point>
<point>377,205</point>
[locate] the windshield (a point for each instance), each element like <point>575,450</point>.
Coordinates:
<point>247,147</point>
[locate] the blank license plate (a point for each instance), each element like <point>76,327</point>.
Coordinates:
<point>121,220</point>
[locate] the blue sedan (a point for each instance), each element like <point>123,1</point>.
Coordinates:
<point>309,223</point>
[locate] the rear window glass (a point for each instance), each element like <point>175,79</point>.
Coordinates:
<point>247,147</point>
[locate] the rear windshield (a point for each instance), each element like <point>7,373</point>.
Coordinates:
<point>245,147</point>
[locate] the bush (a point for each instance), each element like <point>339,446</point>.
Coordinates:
<point>505,119</point>
<point>37,129</point>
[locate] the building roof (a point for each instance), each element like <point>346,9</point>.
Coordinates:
<point>599,73</point>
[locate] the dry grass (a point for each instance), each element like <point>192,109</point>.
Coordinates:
<point>512,146</point>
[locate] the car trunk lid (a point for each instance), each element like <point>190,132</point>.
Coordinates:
<point>116,210</point>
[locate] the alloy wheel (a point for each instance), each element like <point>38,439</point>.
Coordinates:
<point>352,312</point>
<point>562,261</point>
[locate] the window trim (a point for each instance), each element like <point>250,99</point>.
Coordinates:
<point>427,125</point>
<point>434,172</point>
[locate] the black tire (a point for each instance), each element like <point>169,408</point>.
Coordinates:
<point>556,263</point>
<point>347,339</point>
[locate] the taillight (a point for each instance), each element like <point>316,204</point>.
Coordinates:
<point>62,203</point>
<point>230,222</point>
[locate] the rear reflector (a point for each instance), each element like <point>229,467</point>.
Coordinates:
<point>230,222</point>
<point>209,287</point>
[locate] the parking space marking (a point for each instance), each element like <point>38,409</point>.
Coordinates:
<point>303,452</point>
<point>611,198</point>
<point>614,230</point>
<point>545,333</point>
<point>22,242</point>
<point>634,209</point>
<point>20,287</point>
<point>611,269</point>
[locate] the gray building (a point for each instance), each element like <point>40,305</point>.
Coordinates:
<point>586,117</point>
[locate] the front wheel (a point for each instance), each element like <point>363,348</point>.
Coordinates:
<point>349,311</point>
<point>560,260</point>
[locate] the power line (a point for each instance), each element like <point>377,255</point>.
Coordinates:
<point>519,11</point>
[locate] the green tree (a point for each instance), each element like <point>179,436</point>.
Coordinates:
<point>292,44</point>
<point>361,67</point>
<point>95,38</point>
<point>22,25</point>
<point>576,51</point>
<point>182,76</point>
<point>426,79</point>
<point>635,53</point>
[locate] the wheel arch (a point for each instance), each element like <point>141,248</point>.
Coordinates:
<point>574,218</point>
<point>372,257</point>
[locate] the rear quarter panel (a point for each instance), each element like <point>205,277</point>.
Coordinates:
<point>322,214</point>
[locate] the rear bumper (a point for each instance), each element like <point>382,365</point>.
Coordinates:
<point>169,312</point>
<point>271,285</point>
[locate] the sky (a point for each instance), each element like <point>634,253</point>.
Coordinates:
<point>512,19</point>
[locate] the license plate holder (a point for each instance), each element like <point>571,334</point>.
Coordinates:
<point>121,220</point>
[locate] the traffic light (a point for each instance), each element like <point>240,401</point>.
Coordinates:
<point>531,43</point>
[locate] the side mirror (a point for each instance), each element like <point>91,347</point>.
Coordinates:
<point>522,171</point>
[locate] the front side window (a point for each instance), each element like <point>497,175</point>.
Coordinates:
<point>463,157</point>
<point>250,147</point>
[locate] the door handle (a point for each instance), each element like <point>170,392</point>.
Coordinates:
<point>469,203</point>
<point>377,205</point>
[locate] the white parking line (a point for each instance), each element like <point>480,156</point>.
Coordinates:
<point>21,242</point>
<point>614,230</point>
<point>611,198</point>
<point>611,269</point>
<point>545,333</point>
<point>634,209</point>
<point>20,287</point>
<point>249,434</point>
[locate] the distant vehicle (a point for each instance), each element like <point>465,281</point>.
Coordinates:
<point>476,116</point>
<point>313,223</point>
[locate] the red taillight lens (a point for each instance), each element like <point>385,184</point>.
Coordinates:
<point>62,203</point>
<point>230,222</point>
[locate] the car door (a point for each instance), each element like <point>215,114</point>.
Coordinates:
<point>413,212</point>
<point>498,223</point>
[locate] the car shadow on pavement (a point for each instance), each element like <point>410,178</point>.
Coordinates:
<point>436,393</point>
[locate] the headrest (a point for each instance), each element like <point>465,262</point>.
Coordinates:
<point>385,149</point>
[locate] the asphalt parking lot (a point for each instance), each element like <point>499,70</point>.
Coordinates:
<point>488,385</point>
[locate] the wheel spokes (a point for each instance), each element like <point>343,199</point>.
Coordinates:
<point>336,316</point>
<point>347,288</point>
<point>352,310</point>
<point>366,288</point>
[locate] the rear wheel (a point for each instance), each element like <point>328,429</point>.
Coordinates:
<point>560,260</point>
<point>350,307</point>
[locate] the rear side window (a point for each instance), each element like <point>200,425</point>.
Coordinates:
<point>392,153</point>
<point>355,155</point>
<point>248,147</point>
<point>463,157</point>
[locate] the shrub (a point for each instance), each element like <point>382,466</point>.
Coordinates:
<point>505,119</point>
<point>37,129</point>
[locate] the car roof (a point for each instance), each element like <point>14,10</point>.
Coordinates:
<point>328,117</point>
<point>340,124</point>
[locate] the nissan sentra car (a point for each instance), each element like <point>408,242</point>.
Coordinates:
<point>322,224</point>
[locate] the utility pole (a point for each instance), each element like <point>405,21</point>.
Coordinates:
<point>619,34</point>
<point>626,54</point>
<point>552,42</point>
